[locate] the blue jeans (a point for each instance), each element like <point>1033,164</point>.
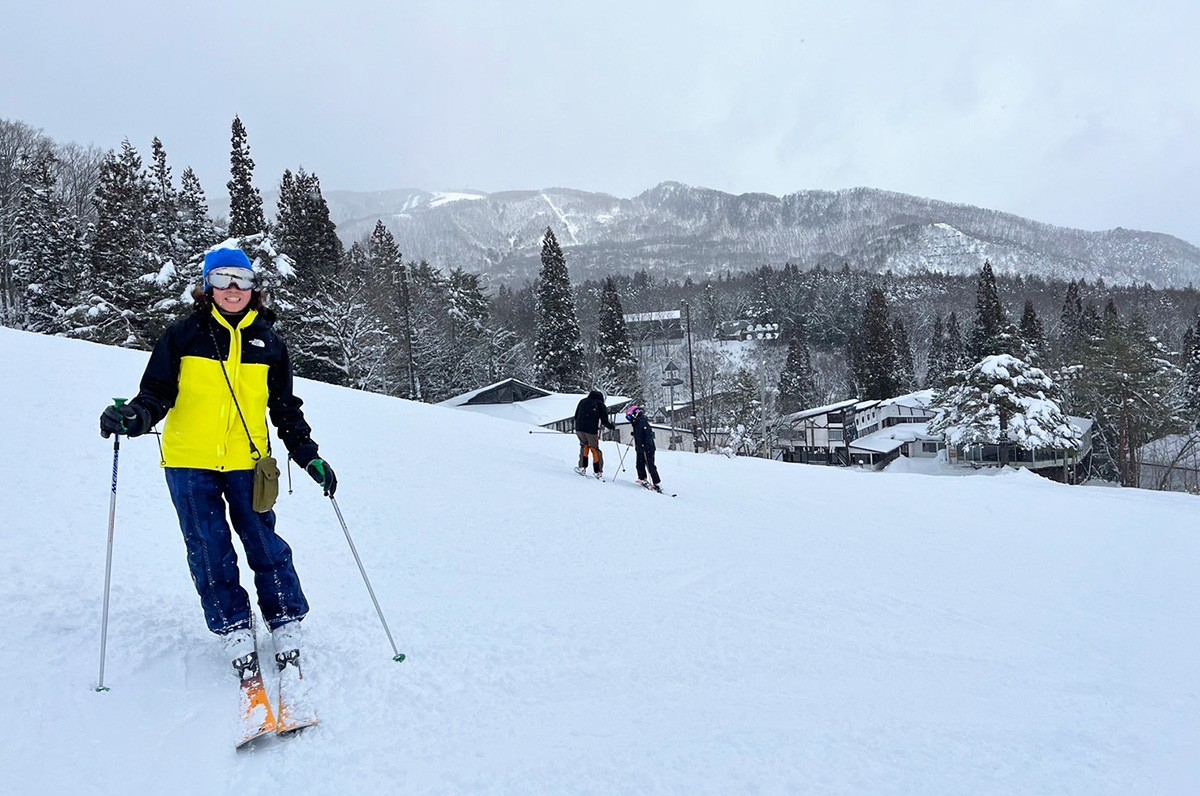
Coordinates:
<point>200,498</point>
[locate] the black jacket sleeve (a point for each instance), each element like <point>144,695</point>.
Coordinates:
<point>160,382</point>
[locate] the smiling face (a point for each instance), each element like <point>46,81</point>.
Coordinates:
<point>231,299</point>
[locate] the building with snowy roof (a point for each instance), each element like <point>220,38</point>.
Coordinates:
<point>513,399</point>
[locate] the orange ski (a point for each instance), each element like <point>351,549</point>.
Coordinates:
<point>256,718</point>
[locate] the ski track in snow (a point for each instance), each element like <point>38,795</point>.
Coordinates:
<point>778,628</point>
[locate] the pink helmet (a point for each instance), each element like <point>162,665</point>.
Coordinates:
<point>632,412</point>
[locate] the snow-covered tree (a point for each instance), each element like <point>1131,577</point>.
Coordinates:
<point>906,375</point>
<point>469,331</point>
<point>956,349</point>
<point>935,361</point>
<point>1033,334</point>
<point>558,347</point>
<point>618,365</point>
<point>163,206</point>
<point>744,412</point>
<point>874,351</point>
<point>123,280</point>
<point>20,145</point>
<point>245,202</point>
<point>797,383</point>
<point>993,332</point>
<point>1072,334</point>
<point>387,279</point>
<point>44,255</point>
<point>1191,377</point>
<point>355,336</point>
<point>1003,400</point>
<point>304,232</point>
<point>195,229</point>
<point>1129,385</point>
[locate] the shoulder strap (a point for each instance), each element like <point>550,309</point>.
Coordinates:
<point>255,454</point>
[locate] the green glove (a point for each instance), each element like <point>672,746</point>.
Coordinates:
<point>320,471</point>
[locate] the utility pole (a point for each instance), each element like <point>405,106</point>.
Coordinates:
<point>687,312</point>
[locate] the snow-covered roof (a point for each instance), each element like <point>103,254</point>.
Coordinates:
<point>888,439</point>
<point>535,411</point>
<point>1084,424</point>
<point>547,408</point>
<point>820,410</point>
<point>921,399</point>
<point>467,397</point>
<point>666,315</point>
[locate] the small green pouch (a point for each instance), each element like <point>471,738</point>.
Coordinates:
<point>266,484</point>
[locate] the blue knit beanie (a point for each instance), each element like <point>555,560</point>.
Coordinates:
<point>225,258</point>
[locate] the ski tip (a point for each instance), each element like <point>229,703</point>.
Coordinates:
<point>400,656</point>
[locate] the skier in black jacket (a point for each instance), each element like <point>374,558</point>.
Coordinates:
<point>589,415</point>
<point>643,443</point>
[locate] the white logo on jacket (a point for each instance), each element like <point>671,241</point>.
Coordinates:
<point>257,342</point>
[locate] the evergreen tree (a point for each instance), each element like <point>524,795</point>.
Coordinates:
<point>388,282</point>
<point>993,332</point>
<point>354,337</point>
<point>1003,400</point>
<point>164,241</point>
<point>618,366</point>
<point>122,270</point>
<point>434,358</point>
<point>743,413</point>
<point>304,232</point>
<point>558,349</point>
<point>935,363</point>
<point>469,331</point>
<point>195,230</point>
<point>710,315</point>
<point>1033,334</point>
<point>956,349</point>
<point>1191,377</point>
<point>20,145</point>
<point>797,381</point>
<point>906,370</point>
<point>1072,335</point>
<point>163,206</point>
<point>45,252</point>
<point>761,306</point>
<point>245,202</point>
<point>1131,388</point>
<point>874,355</point>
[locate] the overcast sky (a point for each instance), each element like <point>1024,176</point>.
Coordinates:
<point>1084,114</point>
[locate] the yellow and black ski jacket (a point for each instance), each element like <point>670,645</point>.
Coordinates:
<point>184,383</point>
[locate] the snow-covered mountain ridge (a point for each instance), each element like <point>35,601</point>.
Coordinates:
<point>777,628</point>
<point>677,230</point>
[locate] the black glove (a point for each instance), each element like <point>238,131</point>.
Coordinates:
<point>322,473</point>
<point>128,419</point>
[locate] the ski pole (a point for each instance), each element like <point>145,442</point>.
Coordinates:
<point>398,656</point>
<point>112,526</point>
<point>621,465</point>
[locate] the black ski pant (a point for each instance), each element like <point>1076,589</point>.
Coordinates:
<point>645,462</point>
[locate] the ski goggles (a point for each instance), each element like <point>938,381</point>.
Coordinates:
<point>225,278</point>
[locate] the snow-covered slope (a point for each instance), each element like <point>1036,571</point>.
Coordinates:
<point>775,628</point>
